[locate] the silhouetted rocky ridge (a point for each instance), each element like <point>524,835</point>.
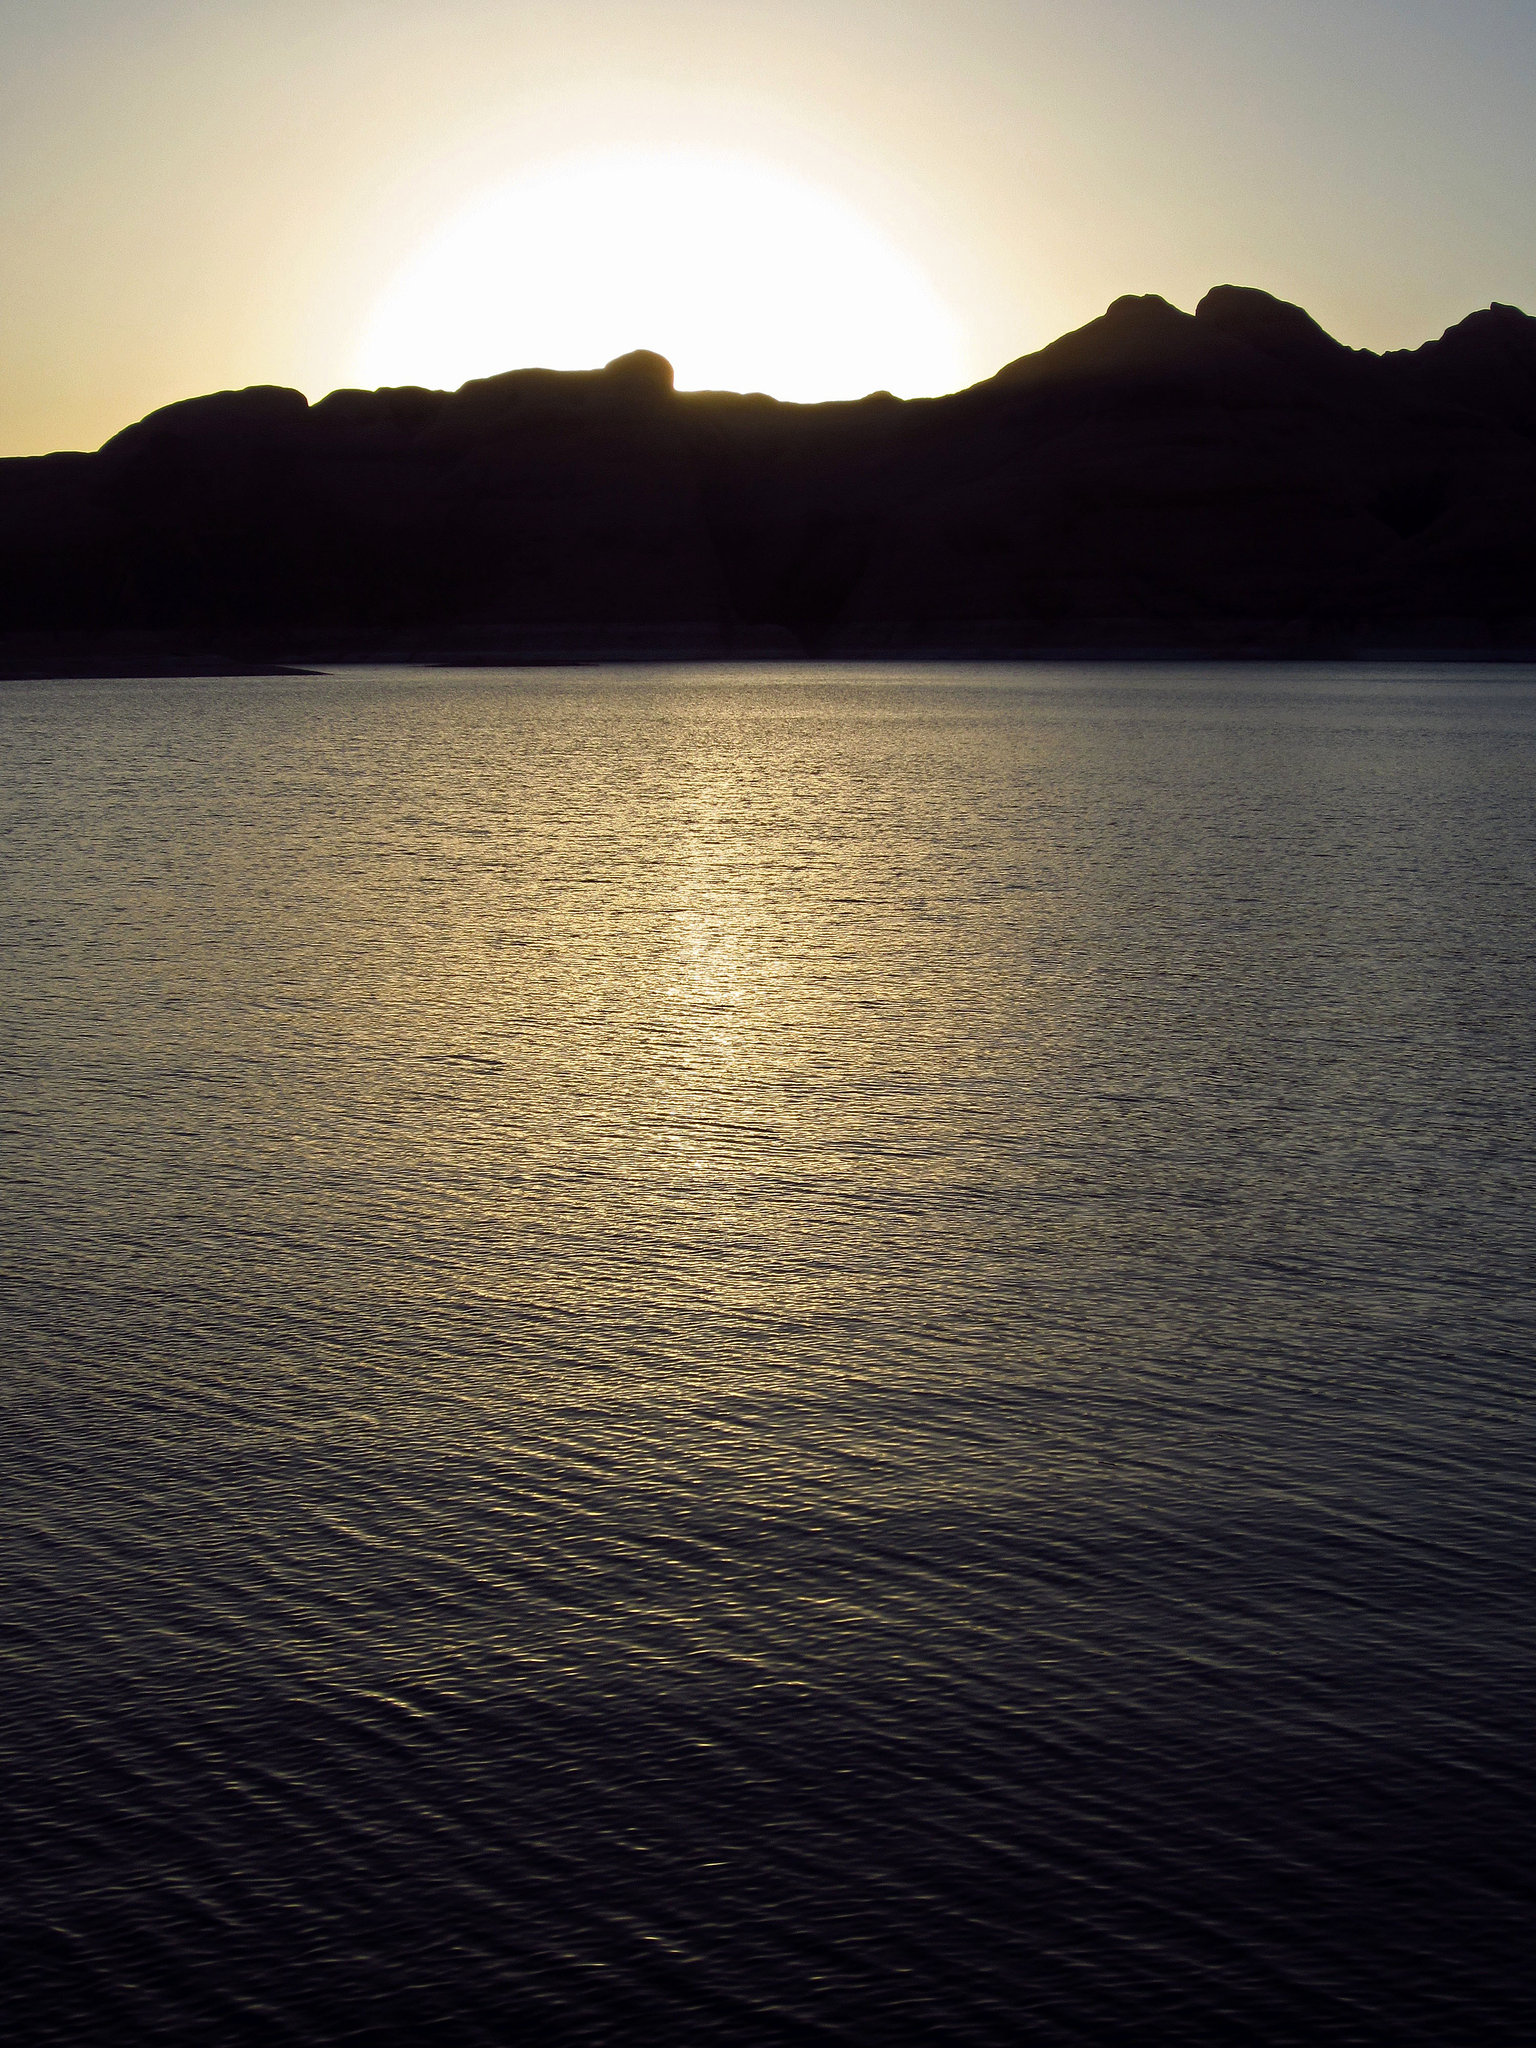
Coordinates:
<point>1227,482</point>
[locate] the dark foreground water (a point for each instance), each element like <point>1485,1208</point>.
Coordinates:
<point>755,1356</point>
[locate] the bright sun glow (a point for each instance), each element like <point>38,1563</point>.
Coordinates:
<point>743,276</point>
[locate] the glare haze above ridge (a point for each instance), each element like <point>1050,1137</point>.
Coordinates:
<point>744,277</point>
<point>206,196</point>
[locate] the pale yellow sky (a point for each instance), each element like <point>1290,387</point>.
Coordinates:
<point>199,196</point>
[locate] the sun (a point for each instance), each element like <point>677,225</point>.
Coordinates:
<point>745,276</point>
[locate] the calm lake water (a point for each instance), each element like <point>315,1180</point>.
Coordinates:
<point>761,1356</point>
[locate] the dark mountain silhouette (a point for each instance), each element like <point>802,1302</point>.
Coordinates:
<point>1230,481</point>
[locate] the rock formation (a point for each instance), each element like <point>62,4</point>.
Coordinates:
<point>1231,481</point>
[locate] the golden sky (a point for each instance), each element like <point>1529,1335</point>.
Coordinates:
<point>194,196</point>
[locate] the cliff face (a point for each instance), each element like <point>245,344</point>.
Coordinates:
<point>1232,480</point>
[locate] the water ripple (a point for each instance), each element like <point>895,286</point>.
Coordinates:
<point>722,1355</point>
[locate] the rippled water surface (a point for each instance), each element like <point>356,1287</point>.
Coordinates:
<point>755,1356</point>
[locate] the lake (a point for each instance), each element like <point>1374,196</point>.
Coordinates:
<point>769,1355</point>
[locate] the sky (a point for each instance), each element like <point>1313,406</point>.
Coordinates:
<point>201,194</point>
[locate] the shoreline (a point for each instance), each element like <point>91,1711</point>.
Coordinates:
<point>38,657</point>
